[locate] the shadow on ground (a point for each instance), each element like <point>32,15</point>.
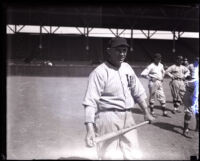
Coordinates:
<point>160,108</point>
<point>167,126</point>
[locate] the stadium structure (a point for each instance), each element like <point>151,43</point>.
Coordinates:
<point>78,33</point>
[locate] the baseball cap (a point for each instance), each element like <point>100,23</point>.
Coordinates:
<point>157,55</point>
<point>118,41</point>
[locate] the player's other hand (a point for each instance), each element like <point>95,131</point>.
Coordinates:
<point>90,136</point>
<point>149,117</point>
<point>90,139</point>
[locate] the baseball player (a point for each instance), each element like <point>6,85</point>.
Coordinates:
<point>155,73</point>
<point>186,63</point>
<point>113,90</point>
<point>191,97</point>
<point>177,73</point>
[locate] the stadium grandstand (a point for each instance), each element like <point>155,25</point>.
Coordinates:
<point>77,34</point>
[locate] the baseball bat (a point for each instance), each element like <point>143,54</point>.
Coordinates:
<point>117,133</point>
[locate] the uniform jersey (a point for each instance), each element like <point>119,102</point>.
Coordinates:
<point>189,94</point>
<point>154,71</point>
<point>109,87</point>
<point>114,88</point>
<point>194,71</point>
<point>191,97</point>
<point>179,72</point>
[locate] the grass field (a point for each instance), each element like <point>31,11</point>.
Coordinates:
<point>45,120</point>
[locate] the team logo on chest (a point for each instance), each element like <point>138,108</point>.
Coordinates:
<point>130,80</point>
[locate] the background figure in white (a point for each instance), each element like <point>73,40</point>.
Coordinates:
<point>185,62</point>
<point>155,73</point>
<point>191,97</point>
<point>177,73</point>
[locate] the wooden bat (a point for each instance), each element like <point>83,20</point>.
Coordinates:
<point>117,133</point>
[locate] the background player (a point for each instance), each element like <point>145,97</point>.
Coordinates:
<point>177,73</point>
<point>155,73</point>
<point>185,62</point>
<point>191,97</point>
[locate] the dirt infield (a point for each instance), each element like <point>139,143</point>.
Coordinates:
<point>45,120</point>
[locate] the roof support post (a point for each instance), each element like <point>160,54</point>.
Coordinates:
<point>148,34</point>
<point>131,42</point>
<point>15,29</point>
<point>117,32</point>
<point>174,36</point>
<point>40,41</point>
<point>87,41</point>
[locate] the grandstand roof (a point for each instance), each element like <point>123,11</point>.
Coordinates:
<point>179,17</point>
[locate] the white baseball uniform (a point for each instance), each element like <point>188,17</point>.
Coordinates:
<point>191,97</point>
<point>155,87</point>
<point>110,92</point>
<point>177,84</point>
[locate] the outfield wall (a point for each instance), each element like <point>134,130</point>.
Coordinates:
<point>55,71</point>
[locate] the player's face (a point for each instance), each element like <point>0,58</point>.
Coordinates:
<point>157,60</point>
<point>179,61</point>
<point>186,62</point>
<point>118,55</point>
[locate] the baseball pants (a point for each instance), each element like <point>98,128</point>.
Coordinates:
<point>177,90</point>
<point>190,98</point>
<point>121,147</point>
<point>156,92</point>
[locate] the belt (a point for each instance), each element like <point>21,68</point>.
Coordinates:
<point>115,109</point>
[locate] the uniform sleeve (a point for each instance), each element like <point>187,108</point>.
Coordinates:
<point>146,71</point>
<point>137,90</point>
<point>196,89</point>
<point>169,70</point>
<point>163,72</point>
<point>190,68</point>
<point>186,72</point>
<point>93,93</point>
